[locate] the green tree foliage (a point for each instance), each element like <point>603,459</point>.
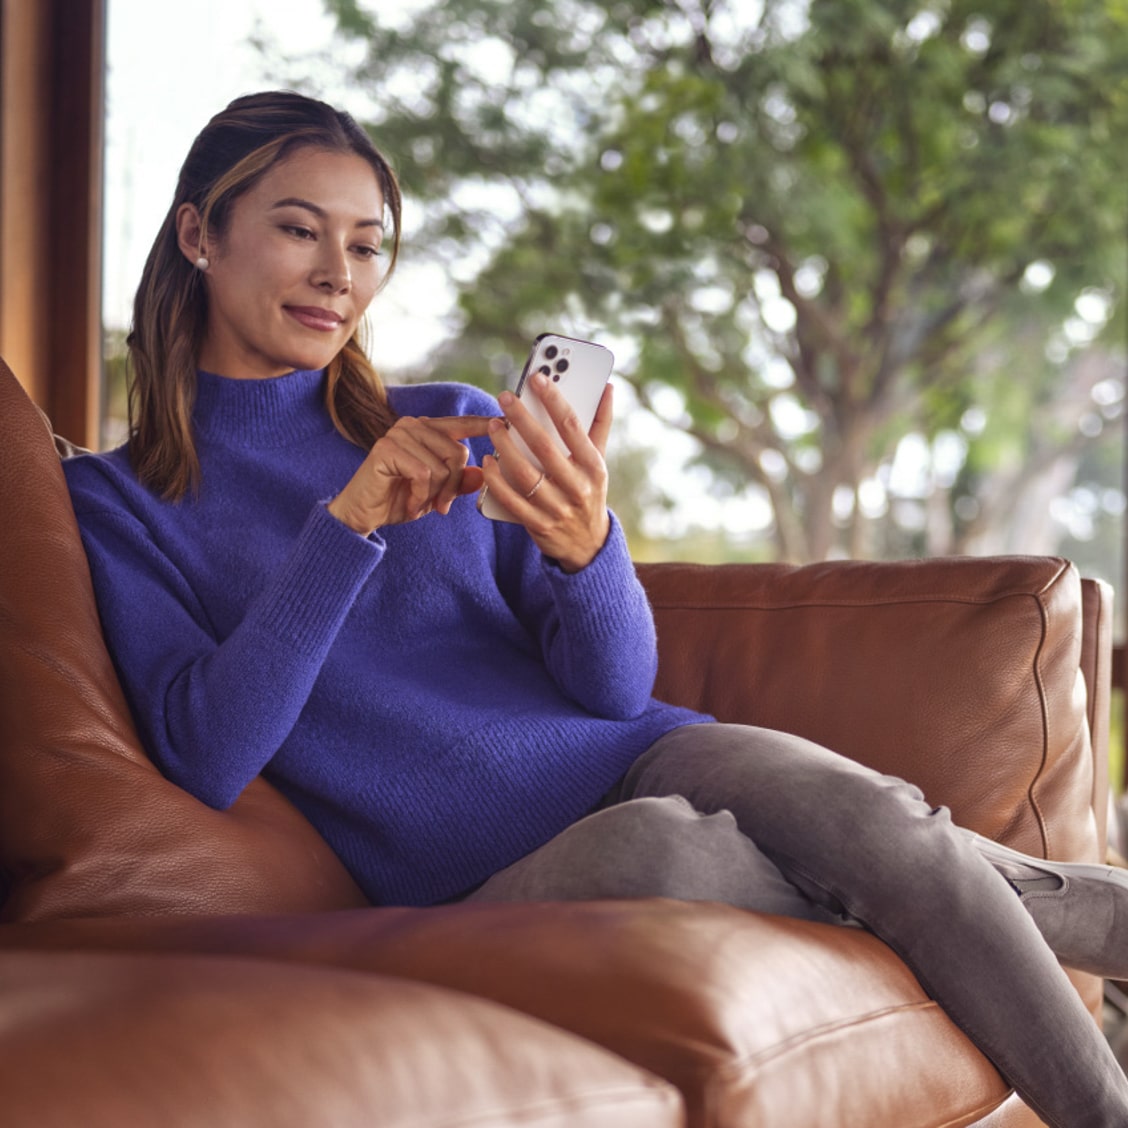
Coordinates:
<point>823,225</point>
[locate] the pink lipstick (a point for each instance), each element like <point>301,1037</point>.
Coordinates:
<point>314,317</point>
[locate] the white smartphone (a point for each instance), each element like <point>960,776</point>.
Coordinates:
<point>580,369</point>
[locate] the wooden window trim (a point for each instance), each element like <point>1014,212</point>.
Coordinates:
<point>52,108</point>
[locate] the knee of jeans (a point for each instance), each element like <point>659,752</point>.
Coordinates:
<point>662,847</point>
<point>883,827</point>
<point>663,817</point>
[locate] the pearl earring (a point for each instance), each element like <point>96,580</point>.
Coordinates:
<point>202,263</point>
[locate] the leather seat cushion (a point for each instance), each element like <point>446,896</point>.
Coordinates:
<point>755,1019</point>
<point>127,1041</point>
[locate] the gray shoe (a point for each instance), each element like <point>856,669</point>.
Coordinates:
<point>1080,908</point>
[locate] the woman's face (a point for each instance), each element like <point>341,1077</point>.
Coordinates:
<point>296,268</point>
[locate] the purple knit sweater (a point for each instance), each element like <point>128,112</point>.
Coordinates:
<point>438,698</point>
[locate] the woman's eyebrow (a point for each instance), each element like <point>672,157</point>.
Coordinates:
<point>320,212</point>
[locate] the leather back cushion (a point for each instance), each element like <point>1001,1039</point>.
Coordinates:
<point>88,827</point>
<point>960,674</point>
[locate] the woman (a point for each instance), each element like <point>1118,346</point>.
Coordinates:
<point>293,581</point>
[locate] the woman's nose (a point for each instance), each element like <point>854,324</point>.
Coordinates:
<point>332,272</point>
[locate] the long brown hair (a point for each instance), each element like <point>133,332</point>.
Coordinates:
<point>232,153</point>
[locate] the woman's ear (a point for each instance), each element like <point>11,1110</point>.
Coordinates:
<point>189,233</point>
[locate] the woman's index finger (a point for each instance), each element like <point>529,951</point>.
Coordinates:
<point>463,426</point>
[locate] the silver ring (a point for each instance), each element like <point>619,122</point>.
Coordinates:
<point>536,486</point>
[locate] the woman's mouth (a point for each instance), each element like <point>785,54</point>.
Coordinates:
<point>314,317</point>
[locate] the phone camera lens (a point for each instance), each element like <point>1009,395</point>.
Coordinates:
<point>556,377</point>
<point>561,366</point>
<point>544,370</point>
<point>551,352</point>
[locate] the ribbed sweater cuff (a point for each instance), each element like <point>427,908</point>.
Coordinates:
<point>317,584</point>
<point>595,595</point>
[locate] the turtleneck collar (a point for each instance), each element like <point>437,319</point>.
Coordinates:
<point>261,413</point>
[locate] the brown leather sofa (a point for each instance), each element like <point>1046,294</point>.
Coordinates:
<point>164,963</point>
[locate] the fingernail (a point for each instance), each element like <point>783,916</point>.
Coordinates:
<point>496,425</point>
<point>506,399</point>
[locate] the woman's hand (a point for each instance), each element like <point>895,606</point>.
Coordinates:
<point>418,467</point>
<point>565,508</point>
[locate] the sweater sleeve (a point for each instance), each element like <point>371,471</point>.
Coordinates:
<point>213,711</point>
<point>595,627</point>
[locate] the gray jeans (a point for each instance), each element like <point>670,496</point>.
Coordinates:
<point>768,821</point>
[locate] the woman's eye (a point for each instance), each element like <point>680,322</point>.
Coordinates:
<point>300,232</point>
<point>366,251</point>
